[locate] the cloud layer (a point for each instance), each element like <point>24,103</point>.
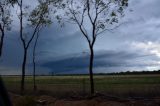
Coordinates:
<point>133,46</point>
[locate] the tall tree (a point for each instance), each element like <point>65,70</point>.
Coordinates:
<point>27,38</point>
<point>39,16</point>
<point>93,17</point>
<point>5,21</point>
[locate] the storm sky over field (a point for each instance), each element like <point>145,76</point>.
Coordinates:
<point>135,45</point>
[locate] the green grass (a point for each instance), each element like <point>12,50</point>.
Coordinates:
<point>121,85</point>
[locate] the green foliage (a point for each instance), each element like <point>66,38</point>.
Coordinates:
<point>124,2</point>
<point>40,15</point>
<point>5,15</point>
<point>103,14</point>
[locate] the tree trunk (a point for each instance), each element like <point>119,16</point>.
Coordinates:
<point>34,64</point>
<point>34,76</point>
<point>23,71</point>
<point>1,43</point>
<point>91,69</point>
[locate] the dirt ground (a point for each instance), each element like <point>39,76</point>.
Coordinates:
<point>97,100</point>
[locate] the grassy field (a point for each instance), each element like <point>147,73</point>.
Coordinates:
<point>119,85</point>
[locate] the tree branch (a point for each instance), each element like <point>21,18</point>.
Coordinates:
<point>88,11</point>
<point>1,27</point>
<point>110,30</point>
<point>35,30</point>
<point>80,24</point>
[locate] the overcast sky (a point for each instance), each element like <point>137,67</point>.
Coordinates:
<point>135,45</point>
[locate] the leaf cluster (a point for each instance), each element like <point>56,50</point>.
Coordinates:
<point>5,15</point>
<point>40,15</point>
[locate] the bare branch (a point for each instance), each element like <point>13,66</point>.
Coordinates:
<point>88,11</point>
<point>80,24</point>
<point>19,4</point>
<point>1,27</point>
<point>35,30</point>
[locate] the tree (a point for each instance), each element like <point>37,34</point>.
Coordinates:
<point>34,62</point>
<point>27,38</point>
<point>93,17</point>
<point>39,16</point>
<point>5,21</point>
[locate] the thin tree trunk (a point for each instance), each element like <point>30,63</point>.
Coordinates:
<point>1,43</point>
<point>34,63</point>
<point>34,74</point>
<point>23,71</point>
<point>24,48</point>
<point>91,69</point>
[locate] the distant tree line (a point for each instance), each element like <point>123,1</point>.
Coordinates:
<point>113,73</point>
<point>135,72</point>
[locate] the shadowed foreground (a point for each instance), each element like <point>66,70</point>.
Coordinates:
<point>114,90</point>
<point>98,100</point>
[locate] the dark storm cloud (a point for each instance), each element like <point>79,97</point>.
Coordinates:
<point>105,59</point>
<point>132,46</point>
